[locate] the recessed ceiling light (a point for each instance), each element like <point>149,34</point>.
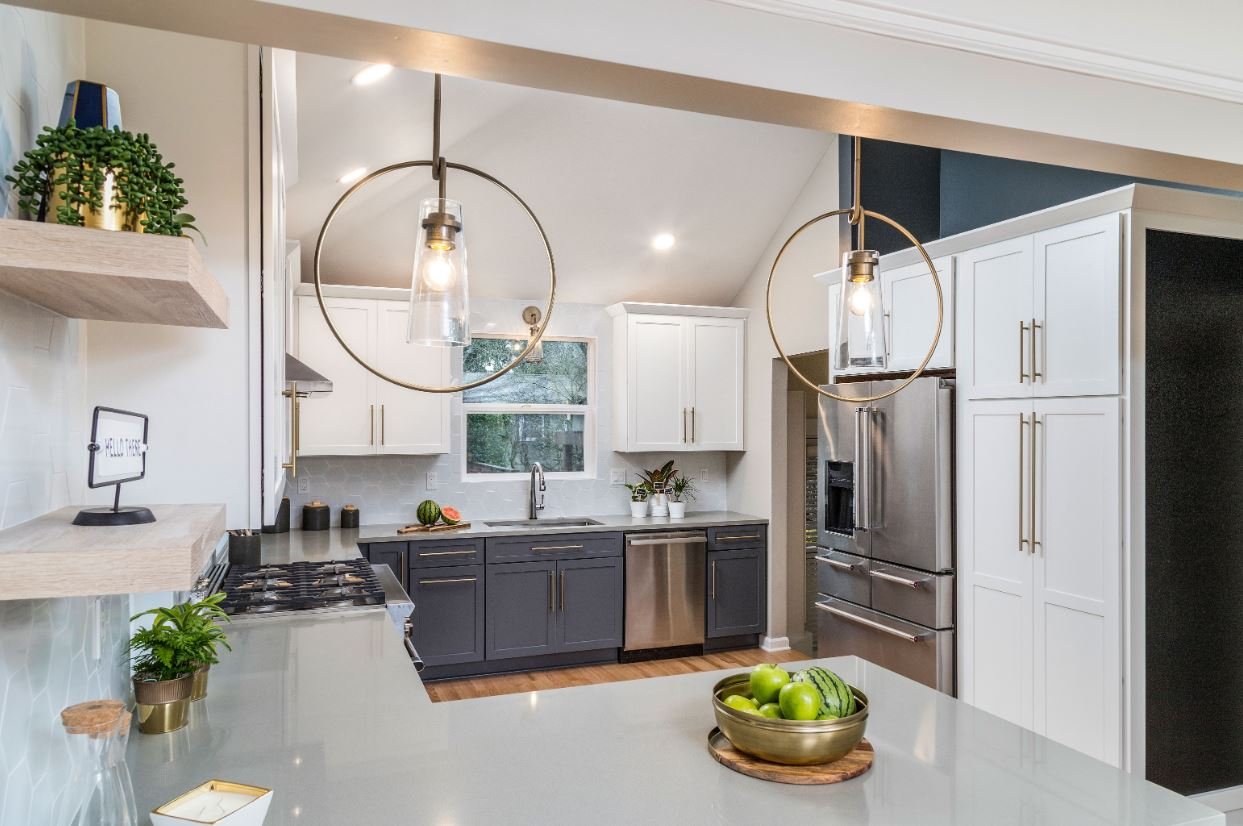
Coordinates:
<point>371,74</point>
<point>352,176</point>
<point>664,241</point>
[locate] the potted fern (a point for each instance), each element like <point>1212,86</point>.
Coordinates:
<point>201,621</point>
<point>101,178</point>
<point>681,491</point>
<point>170,657</point>
<point>638,499</point>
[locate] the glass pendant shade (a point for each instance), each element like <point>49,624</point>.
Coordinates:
<point>861,314</point>
<point>439,298</point>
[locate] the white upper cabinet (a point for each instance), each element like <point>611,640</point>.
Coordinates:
<point>910,317</point>
<point>1038,315</point>
<point>677,377</point>
<point>365,415</point>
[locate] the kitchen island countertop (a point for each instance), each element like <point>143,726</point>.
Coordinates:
<point>329,713</point>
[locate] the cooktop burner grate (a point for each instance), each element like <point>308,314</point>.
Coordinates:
<point>300,586</point>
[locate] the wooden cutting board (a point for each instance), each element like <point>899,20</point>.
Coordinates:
<point>433,528</point>
<point>850,766</point>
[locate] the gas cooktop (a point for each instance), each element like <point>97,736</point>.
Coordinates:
<point>300,586</point>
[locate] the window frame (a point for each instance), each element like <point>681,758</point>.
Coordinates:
<point>587,411</point>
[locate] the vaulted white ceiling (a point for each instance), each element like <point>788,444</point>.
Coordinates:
<point>602,176</point>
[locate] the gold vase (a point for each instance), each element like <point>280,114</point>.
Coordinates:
<point>164,705</point>
<point>198,684</point>
<point>113,216</point>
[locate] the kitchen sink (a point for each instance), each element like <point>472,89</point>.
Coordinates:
<point>567,522</point>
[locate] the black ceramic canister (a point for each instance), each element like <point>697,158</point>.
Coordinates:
<point>315,516</point>
<point>349,516</point>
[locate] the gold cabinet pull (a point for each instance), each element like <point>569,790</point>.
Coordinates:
<point>741,538</point>
<point>381,425</point>
<point>1022,337</point>
<point>1036,374</point>
<point>563,591</point>
<point>1034,541</point>
<point>557,548</point>
<point>552,577</point>
<point>1022,441</point>
<point>295,413</point>
<point>683,425</point>
<point>714,580</point>
<point>371,438</point>
<point>692,425</point>
<point>448,580</point>
<point>471,552</point>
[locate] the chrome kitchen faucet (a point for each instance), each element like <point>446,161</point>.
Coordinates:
<point>537,503</point>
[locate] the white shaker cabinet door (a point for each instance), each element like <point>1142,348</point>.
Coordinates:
<point>342,422</point>
<point>409,421</point>
<point>995,560</point>
<point>994,316</point>
<point>1078,678</point>
<point>911,315</point>
<point>715,356</point>
<point>1077,299</point>
<point>657,398</point>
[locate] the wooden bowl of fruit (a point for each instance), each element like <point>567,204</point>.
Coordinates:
<point>804,719</point>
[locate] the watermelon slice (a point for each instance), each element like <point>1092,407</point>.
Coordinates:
<point>450,516</point>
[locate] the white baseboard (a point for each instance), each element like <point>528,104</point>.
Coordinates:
<point>775,643</point>
<point>1223,800</point>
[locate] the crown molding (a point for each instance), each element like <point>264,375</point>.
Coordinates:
<point>964,35</point>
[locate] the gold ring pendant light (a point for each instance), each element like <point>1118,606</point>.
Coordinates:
<point>438,166</point>
<point>857,216</point>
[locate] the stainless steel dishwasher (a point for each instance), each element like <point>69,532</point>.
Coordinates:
<point>665,589</point>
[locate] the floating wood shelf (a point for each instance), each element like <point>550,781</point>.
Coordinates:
<point>110,276</point>
<point>52,557</point>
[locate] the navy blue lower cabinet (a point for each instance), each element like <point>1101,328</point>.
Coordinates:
<point>589,604</point>
<point>448,613</point>
<point>521,609</point>
<point>737,592</point>
<point>392,554</point>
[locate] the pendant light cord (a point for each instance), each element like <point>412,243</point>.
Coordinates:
<point>438,162</point>
<point>856,209</point>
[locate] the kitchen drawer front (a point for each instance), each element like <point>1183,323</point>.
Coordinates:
<point>916,596</point>
<point>731,537</point>
<point>915,652</point>
<point>434,553</point>
<point>844,576</point>
<point>553,546</point>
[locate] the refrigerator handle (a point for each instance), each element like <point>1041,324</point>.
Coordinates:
<point>861,473</point>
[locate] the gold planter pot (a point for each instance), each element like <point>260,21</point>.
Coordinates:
<point>198,684</point>
<point>162,706</point>
<point>113,216</point>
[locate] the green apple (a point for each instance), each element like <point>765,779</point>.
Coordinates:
<point>771,710</point>
<point>799,701</point>
<point>740,703</point>
<point>767,682</point>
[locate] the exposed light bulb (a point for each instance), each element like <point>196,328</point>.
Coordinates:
<point>438,274</point>
<point>860,301</point>
<point>369,75</point>
<point>664,241</point>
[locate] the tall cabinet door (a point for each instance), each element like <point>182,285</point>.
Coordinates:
<point>995,560</point>
<point>409,421</point>
<point>1077,304</point>
<point>658,408</point>
<point>1078,679</point>
<point>715,356</point>
<point>994,320</point>
<point>342,422</point>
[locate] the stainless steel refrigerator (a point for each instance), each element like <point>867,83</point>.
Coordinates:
<point>885,537</point>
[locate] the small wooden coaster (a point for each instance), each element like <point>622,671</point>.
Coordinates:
<point>850,766</point>
<point>432,528</point>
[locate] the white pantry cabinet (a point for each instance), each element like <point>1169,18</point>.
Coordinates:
<point>910,317</point>
<point>1040,567</point>
<point>677,377</point>
<point>365,415</point>
<point>1038,314</point>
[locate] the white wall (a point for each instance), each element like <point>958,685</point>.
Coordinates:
<point>755,482</point>
<point>48,659</point>
<point>190,94</point>
<point>388,488</point>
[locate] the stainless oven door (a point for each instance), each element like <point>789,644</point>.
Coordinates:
<point>914,651</point>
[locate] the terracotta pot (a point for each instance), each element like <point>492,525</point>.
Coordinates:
<point>198,683</point>
<point>163,705</point>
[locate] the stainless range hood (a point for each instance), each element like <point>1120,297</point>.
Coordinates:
<point>308,381</point>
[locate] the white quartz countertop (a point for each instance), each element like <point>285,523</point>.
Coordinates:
<point>329,713</point>
<point>547,525</point>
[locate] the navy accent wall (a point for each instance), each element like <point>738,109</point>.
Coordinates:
<point>1194,522</point>
<point>900,181</point>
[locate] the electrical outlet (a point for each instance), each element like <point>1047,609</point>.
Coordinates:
<point>432,480</point>
<point>617,476</point>
<point>703,474</point>
<point>304,484</point>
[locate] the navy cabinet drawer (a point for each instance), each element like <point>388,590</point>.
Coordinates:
<point>428,553</point>
<point>730,537</point>
<point>553,546</point>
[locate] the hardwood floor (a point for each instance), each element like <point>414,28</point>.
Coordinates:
<point>491,686</point>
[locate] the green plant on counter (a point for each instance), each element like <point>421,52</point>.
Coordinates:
<point>76,165</point>
<point>682,489</point>
<point>181,638</point>
<point>658,480</point>
<point>638,491</point>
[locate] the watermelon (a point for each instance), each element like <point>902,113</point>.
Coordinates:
<point>838,699</point>
<point>450,516</point>
<point>428,512</point>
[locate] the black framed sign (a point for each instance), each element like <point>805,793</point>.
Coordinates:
<point>118,454</point>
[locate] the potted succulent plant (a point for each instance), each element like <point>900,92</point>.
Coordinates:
<point>102,178</point>
<point>200,621</point>
<point>681,491</point>
<point>658,482</point>
<point>638,499</point>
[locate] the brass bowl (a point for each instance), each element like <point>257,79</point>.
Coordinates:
<point>790,742</point>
